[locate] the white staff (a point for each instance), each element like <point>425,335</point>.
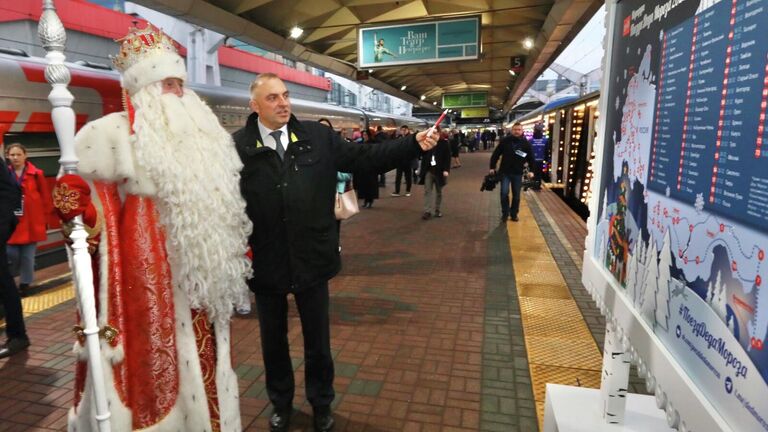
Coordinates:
<point>53,38</point>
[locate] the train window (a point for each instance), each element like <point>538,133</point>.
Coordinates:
<point>42,149</point>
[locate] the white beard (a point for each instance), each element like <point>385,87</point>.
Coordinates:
<point>192,160</point>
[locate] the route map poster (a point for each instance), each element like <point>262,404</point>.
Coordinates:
<point>682,223</point>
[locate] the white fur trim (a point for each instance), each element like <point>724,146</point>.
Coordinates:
<point>156,67</point>
<point>83,417</point>
<point>105,149</point>
<point>226,382</point>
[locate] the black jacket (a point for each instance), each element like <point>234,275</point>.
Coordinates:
<point>290,202</point>
<point>514,152</point>
<point>442,153</point>
<point>10,200</point>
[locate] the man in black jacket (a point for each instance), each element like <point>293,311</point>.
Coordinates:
<point>435,168</point>
<point>514,151</point>
<point>289,185</point>
<point>10,196</point>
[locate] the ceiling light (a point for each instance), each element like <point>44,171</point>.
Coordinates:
<point>528,43</point>
<point>296,31</point>
<point>423,97</point>
<point>434,103</point>
<point>511,72</point>
<point>402,88</point>
<point>370,70</point>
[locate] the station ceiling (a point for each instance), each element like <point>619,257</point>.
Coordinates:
<point>330,28</point>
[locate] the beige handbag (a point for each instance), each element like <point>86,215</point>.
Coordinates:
<point>346,205</point>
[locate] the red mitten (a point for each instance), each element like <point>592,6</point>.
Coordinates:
<point>72,197</point>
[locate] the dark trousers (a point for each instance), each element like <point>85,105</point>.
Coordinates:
<point>14,318</point>
<point>408,171</point>
<point>514,182</point>
<point>312,304</point>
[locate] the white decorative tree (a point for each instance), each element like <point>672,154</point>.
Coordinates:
<point>631,283</point>
<point>662,288</point>
<point>651,283</point>
<point>719,296</point>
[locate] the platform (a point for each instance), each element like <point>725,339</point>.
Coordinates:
<point>452,324</point>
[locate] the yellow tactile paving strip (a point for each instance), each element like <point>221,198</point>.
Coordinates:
<point>560,347</point>
<point>46,300</point>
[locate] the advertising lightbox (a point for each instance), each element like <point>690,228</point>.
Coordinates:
<point>419,42</point>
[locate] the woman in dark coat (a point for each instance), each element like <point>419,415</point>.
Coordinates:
<point>366,183</point>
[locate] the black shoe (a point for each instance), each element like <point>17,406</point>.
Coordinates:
<point>324,421</point>
<point>13,346</point>
<point>280,420</point>
<point>513,218</point>
<point>504,218</point>
<point>426,216</point>
<point>24,290</point>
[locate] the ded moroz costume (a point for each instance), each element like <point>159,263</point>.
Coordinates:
<point>168,235</point>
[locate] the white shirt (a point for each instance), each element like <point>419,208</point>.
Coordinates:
<point>269,141</point>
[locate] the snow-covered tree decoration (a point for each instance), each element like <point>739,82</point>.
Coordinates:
<point>662,288</point>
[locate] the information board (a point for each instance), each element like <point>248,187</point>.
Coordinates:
<point>465,100</point>
<point>475,112</point>
<point>683,198</point>
<point>422,42</point>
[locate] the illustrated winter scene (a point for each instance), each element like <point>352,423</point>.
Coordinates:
<point>681,224</point>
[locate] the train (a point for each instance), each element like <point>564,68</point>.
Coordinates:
<point>25,116</point>
<point>569,127</point>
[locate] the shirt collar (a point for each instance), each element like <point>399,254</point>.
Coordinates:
<point>265,131</point>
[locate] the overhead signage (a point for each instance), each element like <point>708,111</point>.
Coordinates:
<point>516,64</point>
<point>684,190</point>
<point>475,112</point>
<point>465,100</point>
<point>421,42</point>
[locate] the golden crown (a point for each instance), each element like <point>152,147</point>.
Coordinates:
<point>140,44</point>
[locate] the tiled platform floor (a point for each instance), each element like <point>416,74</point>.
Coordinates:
<point>426,326</point>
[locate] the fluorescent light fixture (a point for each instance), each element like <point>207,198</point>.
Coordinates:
<point>528,43</point>
<point>296,31</point>
<point>423,97</point>
<point>402,88</point>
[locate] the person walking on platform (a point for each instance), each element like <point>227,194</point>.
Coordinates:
<point>515,151</point>
<point>15,332</point>
<point>289,183</point>
<point>405,169</point>
<point>365,181</point>
<point>160,195</point>
<point>32,213</point>
<point>435,168</point>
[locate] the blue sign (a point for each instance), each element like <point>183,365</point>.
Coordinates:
<point>423,42</point>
